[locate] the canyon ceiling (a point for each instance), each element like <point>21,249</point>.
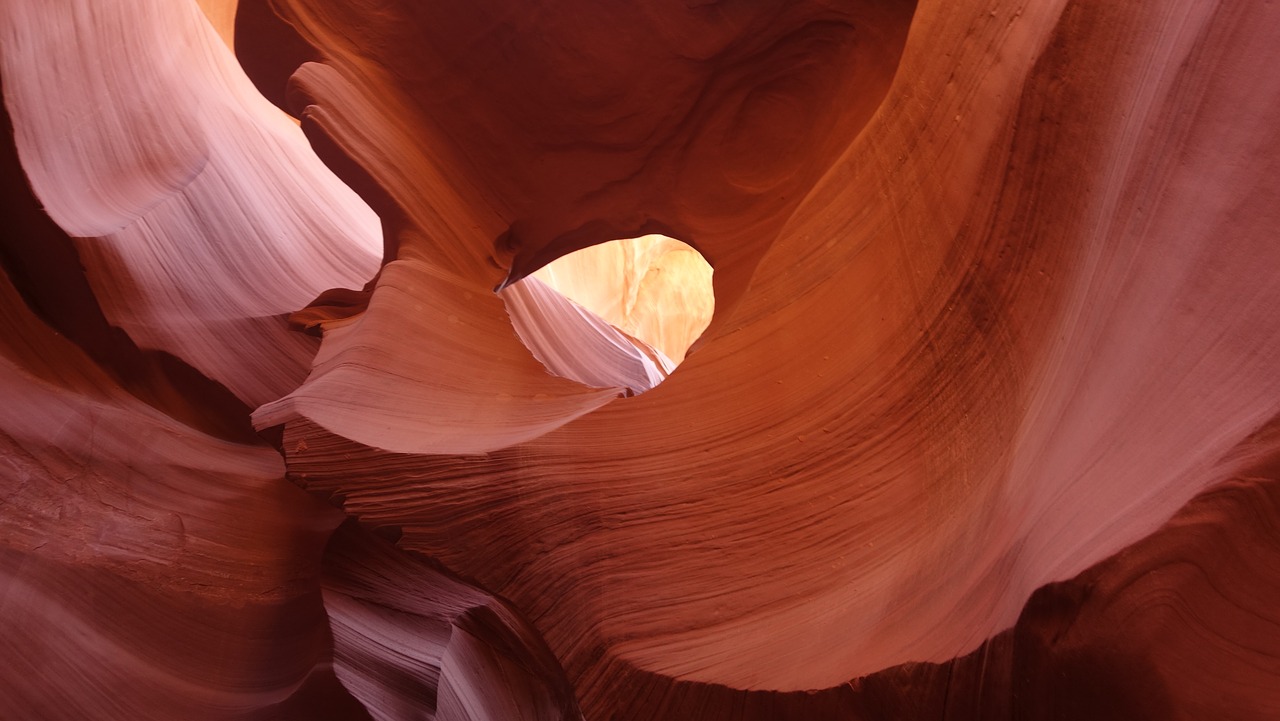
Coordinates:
<point>295,424</point>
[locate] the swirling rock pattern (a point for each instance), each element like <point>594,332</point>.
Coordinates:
<point>984,425</point>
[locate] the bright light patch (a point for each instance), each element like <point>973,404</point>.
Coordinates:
<point>633,309</point>
<point>653,288</point>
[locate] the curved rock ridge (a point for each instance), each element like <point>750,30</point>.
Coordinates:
<point>707,121</point>
<point>574,343</point>
<point>412,642</point>
<point>131,545</point>
<point>1004,302</point>
<point>986,424</point>
<point>178,177</point>
<point>432,391</point>
<point>150,571</point>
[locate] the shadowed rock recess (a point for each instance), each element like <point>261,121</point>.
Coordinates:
<point>295,424</point>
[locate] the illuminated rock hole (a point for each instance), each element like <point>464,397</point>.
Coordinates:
<point>621,314</point>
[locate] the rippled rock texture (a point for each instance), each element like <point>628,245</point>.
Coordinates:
<point>986,423</point>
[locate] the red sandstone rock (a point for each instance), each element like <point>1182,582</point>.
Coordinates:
<point>997,294</point>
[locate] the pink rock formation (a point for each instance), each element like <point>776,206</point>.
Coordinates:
<point>984,425</point>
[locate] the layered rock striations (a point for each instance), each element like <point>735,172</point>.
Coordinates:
<point>984,425</point>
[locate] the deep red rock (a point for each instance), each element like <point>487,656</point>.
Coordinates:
<point>983,426</point>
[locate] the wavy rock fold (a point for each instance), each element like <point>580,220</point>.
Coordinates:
<point>296,420</point>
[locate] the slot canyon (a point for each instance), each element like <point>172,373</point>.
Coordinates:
<point>643,360</point>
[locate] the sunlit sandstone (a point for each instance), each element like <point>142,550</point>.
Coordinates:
<point>984,424</point>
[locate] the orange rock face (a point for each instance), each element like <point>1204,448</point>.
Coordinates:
<point>984,424</point>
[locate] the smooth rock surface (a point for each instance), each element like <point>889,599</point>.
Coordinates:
<point>984,425</point>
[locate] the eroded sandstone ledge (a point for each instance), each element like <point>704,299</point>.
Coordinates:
<point>983,426</point>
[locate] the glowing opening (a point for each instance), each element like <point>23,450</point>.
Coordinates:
<point>618,314</point>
